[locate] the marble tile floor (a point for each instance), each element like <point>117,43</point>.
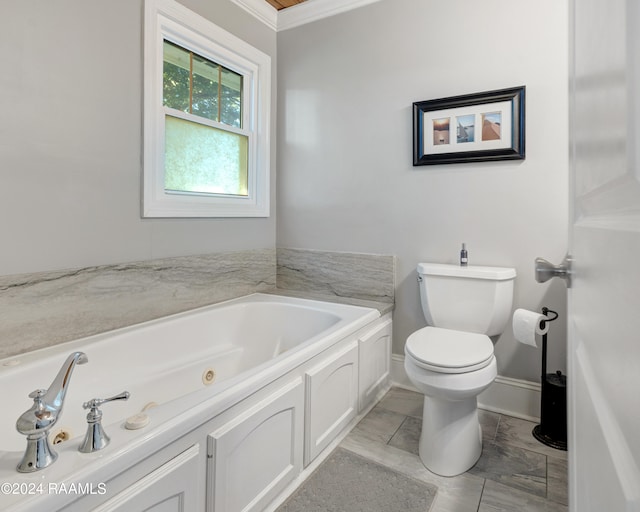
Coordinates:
<point>514,473</point>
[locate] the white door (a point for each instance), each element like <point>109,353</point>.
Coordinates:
<point>604,300</point>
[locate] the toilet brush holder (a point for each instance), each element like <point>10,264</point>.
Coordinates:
<point>552,430</point>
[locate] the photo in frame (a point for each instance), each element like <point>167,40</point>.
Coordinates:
<point>470,128</point>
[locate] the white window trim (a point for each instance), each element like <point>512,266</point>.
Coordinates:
<point>167,19</point>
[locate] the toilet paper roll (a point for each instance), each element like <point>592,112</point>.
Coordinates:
<point>527,324</point>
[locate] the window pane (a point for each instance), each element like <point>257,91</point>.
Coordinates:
<point>176,77</point>
<point>205,88</point>
<point>201,159</point>
<point>192,84</point>
<point>230,111</point>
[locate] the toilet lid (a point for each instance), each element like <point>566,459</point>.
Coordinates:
<point>449,351</point>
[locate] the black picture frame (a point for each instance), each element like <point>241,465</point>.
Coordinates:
<point>500,114</point>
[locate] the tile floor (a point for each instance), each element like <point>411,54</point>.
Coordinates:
<point>514,473</point>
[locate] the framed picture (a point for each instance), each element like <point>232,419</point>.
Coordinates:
<point>470,128</point>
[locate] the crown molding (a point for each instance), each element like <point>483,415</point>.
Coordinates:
<point>261,10</point>
<point>299,14</point>
<point>313,10</point>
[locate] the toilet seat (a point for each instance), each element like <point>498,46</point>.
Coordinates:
<point>449,351</point>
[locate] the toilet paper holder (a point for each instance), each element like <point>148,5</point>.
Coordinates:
<point>552,429</point>
<point>545,312</point>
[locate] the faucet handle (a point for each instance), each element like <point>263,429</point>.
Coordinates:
<point>97,402</point>
<point>96,438</point>
<point>37,397</point>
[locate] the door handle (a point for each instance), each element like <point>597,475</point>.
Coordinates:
<point>546,270</point>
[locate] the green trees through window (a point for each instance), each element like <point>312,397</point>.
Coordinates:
<point>201,87</point>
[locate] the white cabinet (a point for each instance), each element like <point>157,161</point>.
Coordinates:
<point>173,487</point>
<point>331,399</point>
<point>254,456</point>
<point>374,361</point>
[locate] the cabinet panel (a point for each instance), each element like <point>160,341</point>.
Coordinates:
<point>253,457</point>
<point>374,362</point>
<point>173,487</point>
<point>332,399</point>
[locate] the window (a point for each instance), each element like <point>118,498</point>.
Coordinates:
<point>206,121</point>
<point>206,148</point>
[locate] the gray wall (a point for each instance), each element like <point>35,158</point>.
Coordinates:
<point>345,177</point>
<point>71,135</point>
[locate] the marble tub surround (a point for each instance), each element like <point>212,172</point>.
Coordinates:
<point>514,472</point>
<point>338,274</point>
<point>47,308</point>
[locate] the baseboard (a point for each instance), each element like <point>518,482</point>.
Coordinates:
<point>513,397</point>
<point>398,375</point>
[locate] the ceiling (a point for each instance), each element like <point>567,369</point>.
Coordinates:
<point>283,4</point>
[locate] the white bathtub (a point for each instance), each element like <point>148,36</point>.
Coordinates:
<point>193,365</point>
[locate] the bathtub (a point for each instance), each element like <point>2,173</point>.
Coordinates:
<point>181,372</point>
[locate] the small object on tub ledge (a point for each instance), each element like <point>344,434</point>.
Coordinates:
<point>137,421</point>
<point>140,420</point>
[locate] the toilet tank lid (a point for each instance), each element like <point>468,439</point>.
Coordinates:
<point>470,271</point>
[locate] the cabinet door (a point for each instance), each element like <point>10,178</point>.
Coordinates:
<point>332,399</point>
<point>253,457</point>
<point>173,487</point>
<point>375,360</point>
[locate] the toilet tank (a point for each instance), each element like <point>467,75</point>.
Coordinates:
<point>471,298</point>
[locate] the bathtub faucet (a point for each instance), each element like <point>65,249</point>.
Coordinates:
<point>43,415</point>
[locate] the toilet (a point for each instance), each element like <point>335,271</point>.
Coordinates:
<point>451,360</point>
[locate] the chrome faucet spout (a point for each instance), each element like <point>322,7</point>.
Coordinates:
<point>54,397</point>
<point>36,422</point>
